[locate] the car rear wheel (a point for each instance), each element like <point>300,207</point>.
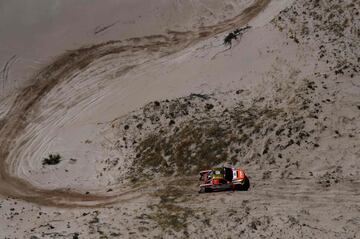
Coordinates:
<point>245,186</point>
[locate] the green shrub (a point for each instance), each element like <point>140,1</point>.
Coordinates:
<point>52,159</point>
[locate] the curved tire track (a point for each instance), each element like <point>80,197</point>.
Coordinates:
<point>27,102</point>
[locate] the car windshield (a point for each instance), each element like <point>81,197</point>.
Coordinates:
<point>228,174</point>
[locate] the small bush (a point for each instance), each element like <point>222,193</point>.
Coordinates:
<point>52,159</point>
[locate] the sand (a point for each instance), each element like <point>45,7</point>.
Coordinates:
<point>281,103</point>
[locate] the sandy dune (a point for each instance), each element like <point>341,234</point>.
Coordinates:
<point>35,32</point>
<point>153,96</point>
<point>52,77</point>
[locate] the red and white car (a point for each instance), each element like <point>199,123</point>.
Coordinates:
<point>222,179</point>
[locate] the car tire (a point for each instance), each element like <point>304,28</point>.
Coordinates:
<point>208,190</point>
<point>246,184</point>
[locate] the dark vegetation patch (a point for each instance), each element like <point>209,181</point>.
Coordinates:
<point>52,159</point>
<point>333,27</point>
<point>201,139</point>
<point>169,213</point>
<point>196,145</point>
<point>331,177</point>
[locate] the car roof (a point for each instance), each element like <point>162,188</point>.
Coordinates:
<point>218,170</point>
<point>218,173</point>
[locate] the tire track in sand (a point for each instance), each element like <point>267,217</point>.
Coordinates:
<point>27,102</point>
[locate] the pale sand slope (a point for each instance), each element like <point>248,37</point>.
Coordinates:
<point>33,32</point>
<point>310,190</point>
<point>79,91</point>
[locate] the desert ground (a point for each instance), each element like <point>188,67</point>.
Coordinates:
<point>133,98</point>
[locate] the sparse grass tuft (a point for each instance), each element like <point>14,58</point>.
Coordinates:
<point>168,213</point>
<point>52,159</point>
<point>195,146</point>
<point>203,141</point>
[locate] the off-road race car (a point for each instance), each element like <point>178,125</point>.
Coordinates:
<point>222,179</point>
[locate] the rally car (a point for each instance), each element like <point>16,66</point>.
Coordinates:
<point>222,179</point>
